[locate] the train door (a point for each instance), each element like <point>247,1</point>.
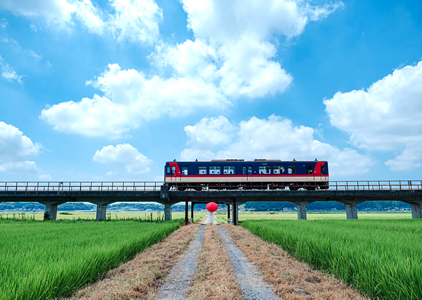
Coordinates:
<point>247,173</point>
<point>175,172</point>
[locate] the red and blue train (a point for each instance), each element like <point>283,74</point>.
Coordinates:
<point>241,174</point>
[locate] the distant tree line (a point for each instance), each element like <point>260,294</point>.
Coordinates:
<point>253,206</point>
<point>325,205</point>
<point>39,206</point>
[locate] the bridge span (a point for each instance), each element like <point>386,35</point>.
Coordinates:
<point>102,194</point>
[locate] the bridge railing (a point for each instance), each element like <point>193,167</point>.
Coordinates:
<point>384,185</point>
<point>145,186</point>
<point>84,186</point>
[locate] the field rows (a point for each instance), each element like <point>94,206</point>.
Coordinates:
<point>381,258</point>
<point>45,260</point>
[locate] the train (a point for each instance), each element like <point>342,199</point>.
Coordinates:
<point>235,174</point>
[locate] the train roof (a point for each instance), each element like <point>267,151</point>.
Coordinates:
<point>255,160</point>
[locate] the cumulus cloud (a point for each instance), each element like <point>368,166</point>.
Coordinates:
<point>230,57</point>
<point>387,116</point>
<point>231,46</point>
<point>210,132</point>
<point>273,138</point>
<point>130,99</point>
<point>15,149</point>
<point>134,20</point>
<point>123,155</point>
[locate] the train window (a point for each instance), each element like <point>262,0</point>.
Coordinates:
<point>291,170</point>
<point>244,170</point>
<point>173,170</point>
<point>228,170</point>
<point>308,169</point>
<point>322,169</point>
<point>264,170</point>
<point>184,170</point>
<point>168,170</point>
<point>277,169</point>
<point>249,170</point>
<point>215,170</point>
<point>202,170</point>
<point>282,171</point>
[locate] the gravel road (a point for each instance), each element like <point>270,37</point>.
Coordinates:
<point>248,277</point>
<point>178,281</point>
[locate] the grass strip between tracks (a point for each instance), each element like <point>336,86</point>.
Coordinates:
<point>46,260</point>
<point>214,278</point>
<point>381,258</point>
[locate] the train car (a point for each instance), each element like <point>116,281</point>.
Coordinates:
<point>240,174</point>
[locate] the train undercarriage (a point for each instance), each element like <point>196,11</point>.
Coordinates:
<point>210,186</point>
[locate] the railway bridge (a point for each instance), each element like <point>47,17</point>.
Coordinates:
<point>102,194</point>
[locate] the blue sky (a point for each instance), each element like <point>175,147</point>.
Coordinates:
<point>110,90</point>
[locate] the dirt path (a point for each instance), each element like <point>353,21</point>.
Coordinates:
<point>216,262</point>
<point>214,278</point>
<point>291,278</point>
<point>178,281</point>
<point>248,276</point>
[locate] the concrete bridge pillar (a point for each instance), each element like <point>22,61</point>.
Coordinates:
<point>301,210</point>
<point>167,211</point>
<point>351,209</point>
<point>416,210</point>
<point>51,209</point>
<point>101,209</point>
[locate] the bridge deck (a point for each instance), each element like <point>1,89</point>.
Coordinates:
<point>104,193</point>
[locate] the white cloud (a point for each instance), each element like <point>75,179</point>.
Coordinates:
<point>59,11</point>
<point>18,48</point>
<point>231,46</point>
<point>210,132</point>
<point>15,149</point>
<point>275,138</point>
<point>134,20</point>
<point>130,99</point>
<point>90,16</point>
<point>123,155</point>
<point>220,20</point>
<point>387,116</point>
<point>231,56</point>
<point>3,23</point>
<point>9,73</point>
<point>45,177</point>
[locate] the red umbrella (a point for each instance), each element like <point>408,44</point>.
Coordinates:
<point>212,207</point>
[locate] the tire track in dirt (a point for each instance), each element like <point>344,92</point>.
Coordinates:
<point>177,283</point>
<point>248,276</point>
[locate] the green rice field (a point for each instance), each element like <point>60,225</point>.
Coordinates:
<point>48,260</point>
<point>79,215</point>
<point>382,258</point>
<point>322,216</point>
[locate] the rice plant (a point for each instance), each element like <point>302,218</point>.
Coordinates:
<point>381,258</point>
<point>47,260</point>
